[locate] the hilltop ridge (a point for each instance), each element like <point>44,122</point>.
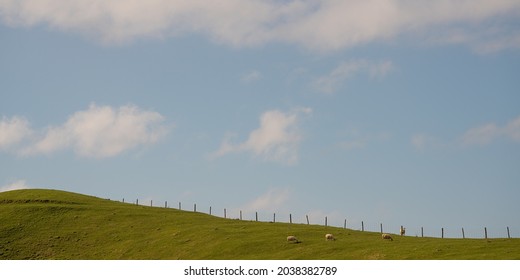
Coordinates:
<point>55,224</point>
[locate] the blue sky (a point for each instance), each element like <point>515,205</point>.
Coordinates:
<point>383,112</point>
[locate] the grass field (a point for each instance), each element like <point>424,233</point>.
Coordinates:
<point>51,224</point>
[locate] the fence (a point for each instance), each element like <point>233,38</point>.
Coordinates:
<point>506,233</point>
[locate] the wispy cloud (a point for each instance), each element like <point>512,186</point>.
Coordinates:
<point>318,25</point>
<point>332,81</point>
<point>481,135</point>
<point>16,185</point>
<point>13,131</point>
<point>252,76</point>
<point>277,138</point>
<point>423,141</point>
<point>487,133</point>
<point>98,132</point>
<point>272,200</point>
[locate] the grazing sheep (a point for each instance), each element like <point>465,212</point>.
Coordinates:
<point>292,238</point>
<point>329,236</point>
<point>402,231</point>
<point>386,236</point>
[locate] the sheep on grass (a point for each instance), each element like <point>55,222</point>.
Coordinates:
<point>386,236</point>
<point>292,239</point>
<point>329,236</point>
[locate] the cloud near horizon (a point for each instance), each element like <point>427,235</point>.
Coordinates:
<point>486,26</point>
<point>277,139</point>
<point>98,132</point>
<point>272,200</point>
<point>16,185</point>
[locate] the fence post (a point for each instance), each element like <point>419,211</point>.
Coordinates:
<point>485,232</point>
<point>195,207</point>
<point>290,218</point>
<point>256,216</point>
<point>508,235</point>
<point>381,225</point>
<point>151,203</point>
<point>362,226</point>
<point>274,217</point>
<point>137,201</point>
<point>422,232</point>
<point>307,216</point>
<point>241,215</point>
<point>225,214</point>
<point>179,205</point>
<point>442,232</point>
<point>345,224</point>
<point>166,204</point>
<point>123,200</point>
<point>463,236</point>
<point>325,220</point>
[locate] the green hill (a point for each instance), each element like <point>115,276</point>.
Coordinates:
<point>51,224</point>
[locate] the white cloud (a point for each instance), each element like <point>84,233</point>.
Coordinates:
<point>277,138</point>
<point>422,141</point>
<point>99,131</point>
<point>487,133</point>
<point>318,25</point>
<point>251,76</point>
<point>16,185</point>
<point>272,200</point>
<point>331,82</point>
<point>481,135</point>
<point>13,131</point>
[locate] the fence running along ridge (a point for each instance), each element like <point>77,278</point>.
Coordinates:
<point>381,228</point>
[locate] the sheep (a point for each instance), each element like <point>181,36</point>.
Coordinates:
<point>329,236</point>
<point>292,238</point>
<point>402,230</point>
<point>386,236</point>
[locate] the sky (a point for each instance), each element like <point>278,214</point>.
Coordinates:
<point>382,112</point>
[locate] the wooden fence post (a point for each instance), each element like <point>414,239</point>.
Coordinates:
<point>307,216</point>
<point>195,207</point>
<point>179,205</point>
<point>290,218</point>
<point>225,214</point>
<point>274,217</point>
<point>508,235</point>
<point>325,220</point>
<point>463,236</point>
<point>123,200</point>
<point>241,215</point>
<point>345,224</point>
<point>442,232</point>
<point>485,232</point>
<point>362,226</point>
<point>210,210</point>
<point>381,225</point>
<point>151,203</point>
<point>166,204</point>
<point>137,201</point>
<point>256,216</point>
<point>422,232</point>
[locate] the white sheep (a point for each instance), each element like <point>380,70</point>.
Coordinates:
<point>292,238</point>
<point>329,236</point>
<point>386,236</point>
<point>402,230</point>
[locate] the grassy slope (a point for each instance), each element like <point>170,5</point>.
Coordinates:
<point>48,224</point>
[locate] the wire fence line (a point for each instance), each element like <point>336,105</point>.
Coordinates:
<point>443,232</point>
